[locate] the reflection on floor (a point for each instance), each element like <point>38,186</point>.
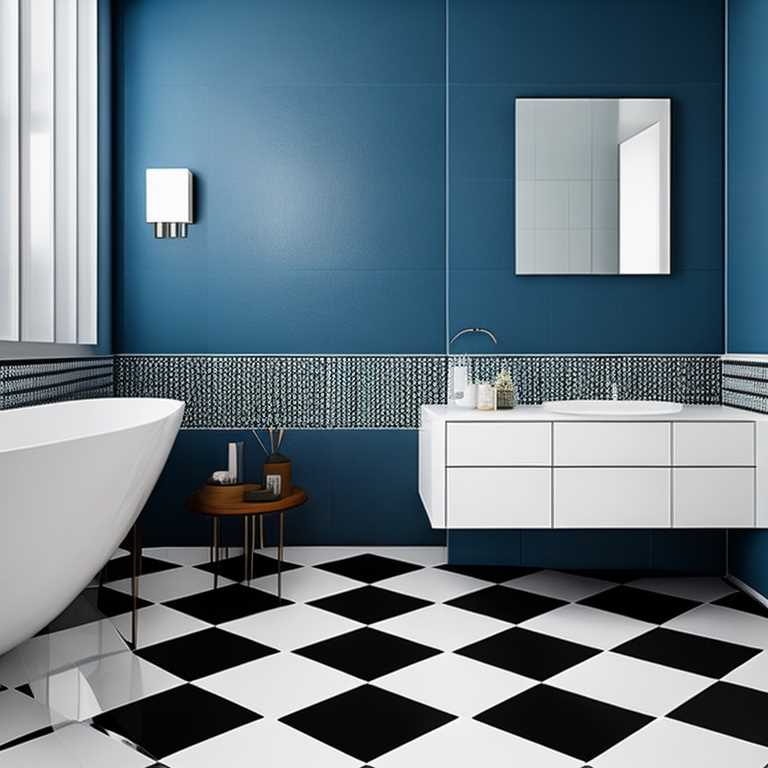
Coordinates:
<point>390,658</point>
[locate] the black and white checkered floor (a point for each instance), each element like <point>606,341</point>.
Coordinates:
<point>390,658</point>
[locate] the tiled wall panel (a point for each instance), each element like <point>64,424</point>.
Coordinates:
<point>385,392</point>
<point>34,382</point>
<point>745,385</point>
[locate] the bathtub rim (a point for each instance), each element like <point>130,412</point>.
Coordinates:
<point>173,408</point>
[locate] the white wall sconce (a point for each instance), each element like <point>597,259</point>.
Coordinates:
<point>169,201</point>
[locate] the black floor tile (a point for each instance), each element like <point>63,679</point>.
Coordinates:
<point>528,653</point>
<point>369,568</point>
<point>742,602</point>
<point>110,602</point>
<point>92,604</point>
<point>575,725</point>
<point>641,604</point>
<point>729,709</point>
<point>233,567</point>
<point>505,603</point>
<point>120,567</point>
<point>175,719</point>
<point>494,573</point>
<point>692,653</point>
<point>204,653</point>
<point>26,689</point>
<point>367,653</point>
<point>82,610</point>
<point>367,721</point>
<point>234,601</point>
<point>370,604</point>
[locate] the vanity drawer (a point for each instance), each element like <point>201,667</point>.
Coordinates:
<point>499,497</point>
<point>499,444</point>
<point>714,444</point>
<point>612,444</point>
<point>713,498</point>
<point>609,497</point>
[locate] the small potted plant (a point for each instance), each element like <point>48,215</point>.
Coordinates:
<point>506,391</point>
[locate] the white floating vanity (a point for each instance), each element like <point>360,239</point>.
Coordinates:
<point>702,467</point>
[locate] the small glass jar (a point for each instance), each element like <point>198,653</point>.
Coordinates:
<point>486,397</point>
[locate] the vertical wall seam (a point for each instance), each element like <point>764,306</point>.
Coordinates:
<point>726,10</point>
<point>18,168</point>
<point>447,139</point>
<point>54,192</point>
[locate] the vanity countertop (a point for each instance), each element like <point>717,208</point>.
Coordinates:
<point>538,413</point>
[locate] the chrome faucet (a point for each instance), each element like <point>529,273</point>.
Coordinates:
<point>488,333</point>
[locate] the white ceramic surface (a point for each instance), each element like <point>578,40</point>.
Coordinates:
<point>74,477</point>
<point>612,407</point>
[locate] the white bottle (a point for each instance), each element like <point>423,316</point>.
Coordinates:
<point>457,383</point>
<point>470,397</point>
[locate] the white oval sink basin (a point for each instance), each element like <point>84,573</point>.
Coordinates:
<point>612,407</point>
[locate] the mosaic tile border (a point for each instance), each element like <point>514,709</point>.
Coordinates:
<point>386,391</point>
<point>745,385</point>
<point>49,380</point>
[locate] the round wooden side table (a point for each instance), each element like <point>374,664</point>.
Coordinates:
<point>219,501</point>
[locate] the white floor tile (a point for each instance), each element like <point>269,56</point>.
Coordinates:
<point>417,555</point>
<point>433,584</point>
<point>463,742</point>
<point>73,746</point>
<point>442,626</point>
<point>671,744</point>
<point>185,555</point>
<point>158,623</point>
<point>631,683</point>
<point>752,674</point>
<point>588,626</point>
<point>724,624</point>
<point>455,684</point>
<point>279,684</point>
<point>95,686</point>
<point>21,715</point>
<point>56,651</point>
<point>305,584</point>
<point>564,586</point>
<point>268,743</point>
<point>291,626</point>
<point>701,588</point>
<point>318,555</point>
<point>168,585</point>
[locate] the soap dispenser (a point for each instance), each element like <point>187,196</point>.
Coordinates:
<point>460,391</point>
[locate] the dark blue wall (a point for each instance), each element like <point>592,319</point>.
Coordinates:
<point>504,49</point>
<point>316,131</point>
<point>747,175</point>
<point>747,227</point>
<point>363,488</point>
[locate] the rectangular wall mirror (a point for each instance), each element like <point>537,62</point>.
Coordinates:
<point>592,186</point>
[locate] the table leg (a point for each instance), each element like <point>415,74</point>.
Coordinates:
<point>251,545</point>
<point>215,548</point>
<point>135,566</point>
<point>261,531</point>
<point>280,558</point>
<point>213,538</point>
<point>246,538</point>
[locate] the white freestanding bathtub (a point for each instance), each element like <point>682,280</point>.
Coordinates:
<point>74,477</point>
